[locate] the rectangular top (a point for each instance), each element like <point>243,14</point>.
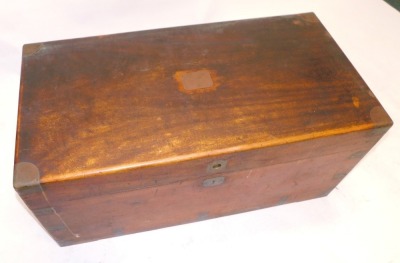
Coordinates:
<point>101,104</point>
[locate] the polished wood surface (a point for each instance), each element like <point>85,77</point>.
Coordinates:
<point>128,126</point>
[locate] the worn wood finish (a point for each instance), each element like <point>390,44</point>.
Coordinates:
<point>116,134</point>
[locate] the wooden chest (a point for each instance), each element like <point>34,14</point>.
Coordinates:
<point>131,132</point>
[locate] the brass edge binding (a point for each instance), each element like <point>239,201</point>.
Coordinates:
<point>379,116</point>
<point>26,175</point>
<point>27,183</point>
<point>30,49</point>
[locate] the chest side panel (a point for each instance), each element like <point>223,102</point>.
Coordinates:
<point>127,206</point>
<point>201,198</point>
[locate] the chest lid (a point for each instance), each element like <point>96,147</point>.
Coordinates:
<point>102,104</point>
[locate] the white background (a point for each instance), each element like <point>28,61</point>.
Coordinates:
<point>358,222</point>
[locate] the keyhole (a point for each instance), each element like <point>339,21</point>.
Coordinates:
<point>217,166</point>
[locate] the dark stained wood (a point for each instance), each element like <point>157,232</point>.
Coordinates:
<point>116,134</point>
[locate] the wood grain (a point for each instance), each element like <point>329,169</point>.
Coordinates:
<point>109,120</point>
